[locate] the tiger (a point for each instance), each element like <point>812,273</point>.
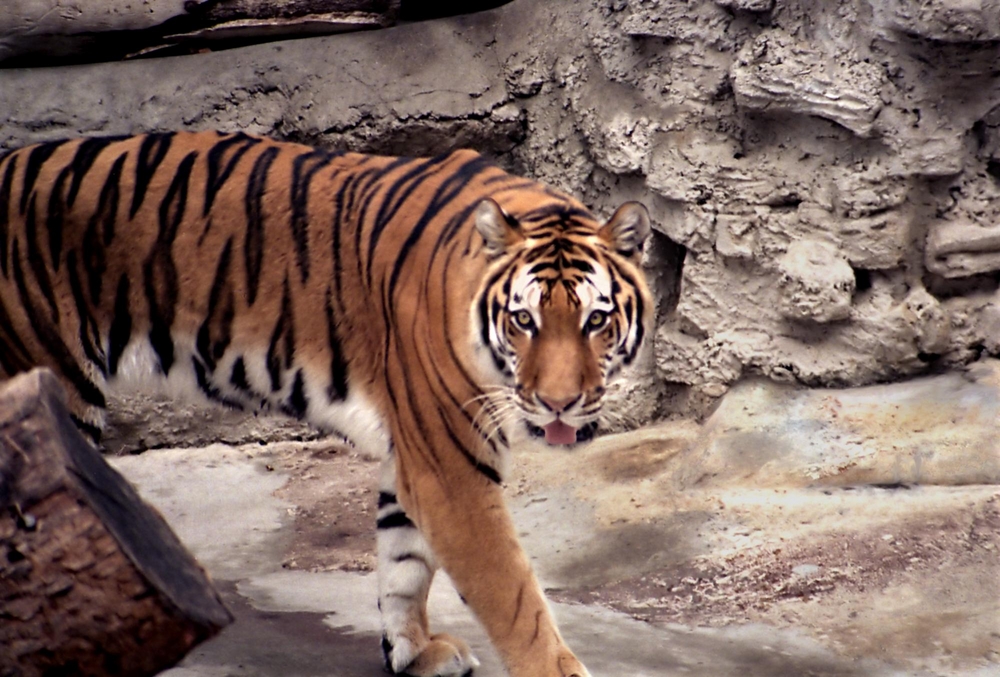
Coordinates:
<point>437,311</point>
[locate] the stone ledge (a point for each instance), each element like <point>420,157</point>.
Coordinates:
<point>776,72</point>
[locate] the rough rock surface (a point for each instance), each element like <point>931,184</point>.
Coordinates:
<point>816,283</point>
<point>745,126</point>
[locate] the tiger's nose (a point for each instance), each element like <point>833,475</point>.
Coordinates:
<point>558,405</point>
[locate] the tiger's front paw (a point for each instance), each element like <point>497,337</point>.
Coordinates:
<point>569,666</point>
<point>442,656</point>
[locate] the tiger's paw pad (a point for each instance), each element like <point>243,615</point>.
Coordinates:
<point>443,656</point>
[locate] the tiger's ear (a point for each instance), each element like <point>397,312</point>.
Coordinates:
<point>627,229</point>
<point>499,230</point>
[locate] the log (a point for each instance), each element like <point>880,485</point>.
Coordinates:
<point>45,32</point>
<point>92,580</point>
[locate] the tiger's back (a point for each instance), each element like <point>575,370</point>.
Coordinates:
<point>190,258</point>
<point>428,308</point>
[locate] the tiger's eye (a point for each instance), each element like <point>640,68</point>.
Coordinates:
<point>597,319</point>
<point>523,319</point>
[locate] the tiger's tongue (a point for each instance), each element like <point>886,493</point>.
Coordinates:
<point>558,432</point>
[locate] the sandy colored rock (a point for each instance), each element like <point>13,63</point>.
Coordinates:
<point>777,73</point>
<point>943,20</point>
<point>963,249</point>
<point>816,282</point>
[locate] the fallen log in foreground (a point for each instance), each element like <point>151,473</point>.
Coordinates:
<point>92,580</point>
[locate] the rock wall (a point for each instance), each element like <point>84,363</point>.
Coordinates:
<point>831,168</point>
<point>823,175</point>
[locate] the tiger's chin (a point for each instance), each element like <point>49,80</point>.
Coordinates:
<point>558,433</point>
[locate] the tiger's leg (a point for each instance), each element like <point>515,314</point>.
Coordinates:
<point>473,537</point>
<point>406,568</point>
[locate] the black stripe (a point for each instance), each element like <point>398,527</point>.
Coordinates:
<point>415,440</point>
<point>174,202</point>
<point>55,217</point>
<point>14,355</point>
<point>161,289</point>
<point>86,154</point>
<point>367,194</point>
<point>345,216</point>
<point>5,186</point>
<point>488,471</point>
<point>207,388</point>
<point>385,498</point>
<point>238,376</point>
<point>160,278</point>
<point>297,403</point>
<point>459,402</point>
<point>446,192</point>
<point>489,314</point>
<point>201,378</point>
<point>218,174</point>
<point>542,267</point>
<point>60,200</point>
<point>151,153</point>
<point>36,158</point>
<point>304,167</point>
<point>639,330</point>
<point>52,342</point>
<point>253,205</point>
<point>121,325</point>
<point>388,354</point>
<point>100,230</point>
<point>90,335</point>
<point>517,606</point>
<point>337,390</point>
<point>281,349</point>
<point>471,384</point>
<point>395,520</point>
<point>454,226</point>
<point>37,262</point>
<point>617,272</point>
<point>552,248</point>
<point>336,226</point>
<point>558,212</point>
<point>216,331</point>
<point>395,196</point>
<point>582,265</point>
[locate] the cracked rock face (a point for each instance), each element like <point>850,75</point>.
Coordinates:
<point>749,128</point>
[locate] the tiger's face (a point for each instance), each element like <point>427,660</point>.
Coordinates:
<point>563,309</point>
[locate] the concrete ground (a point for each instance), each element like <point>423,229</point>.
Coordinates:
<point>797,532</point>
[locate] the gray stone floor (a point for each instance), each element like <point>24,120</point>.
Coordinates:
<point>797,532</point>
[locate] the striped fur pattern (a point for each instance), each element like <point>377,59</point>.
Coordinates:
<point>434,310</point>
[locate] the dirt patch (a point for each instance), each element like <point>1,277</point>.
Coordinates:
<point>939,571</point>
<point>334,493</point>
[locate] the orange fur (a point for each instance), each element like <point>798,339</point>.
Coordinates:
<point>322,284</point>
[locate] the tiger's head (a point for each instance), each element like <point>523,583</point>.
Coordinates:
<point>563,308</point>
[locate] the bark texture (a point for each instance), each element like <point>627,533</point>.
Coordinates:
<point>36,32</point>
<point>92,581</point>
